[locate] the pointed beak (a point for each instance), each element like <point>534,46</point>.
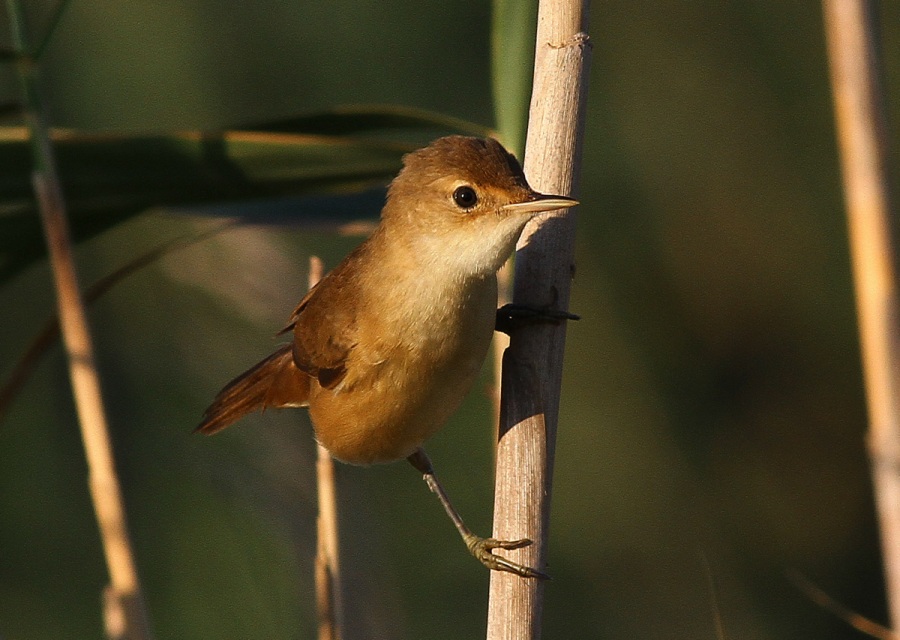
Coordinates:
<point>538,202</point>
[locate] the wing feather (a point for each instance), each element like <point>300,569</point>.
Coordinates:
<point>324,326</point>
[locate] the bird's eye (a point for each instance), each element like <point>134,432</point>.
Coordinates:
<point>465,197</point>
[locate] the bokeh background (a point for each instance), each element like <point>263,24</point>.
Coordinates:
<point>712,435</point>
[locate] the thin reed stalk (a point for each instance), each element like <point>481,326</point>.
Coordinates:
<point>532,366</point>
<point>859,108</point>
<point>329,591</point>
<point>124,609</point>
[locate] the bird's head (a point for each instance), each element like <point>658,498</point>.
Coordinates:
<point>463,202</point>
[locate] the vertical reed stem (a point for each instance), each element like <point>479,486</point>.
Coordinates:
<point>532,366</point>
<point>329,594</point>
<point>124,609</point>
<point>863,143</point>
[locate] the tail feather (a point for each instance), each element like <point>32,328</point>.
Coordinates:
<point>274,382</point>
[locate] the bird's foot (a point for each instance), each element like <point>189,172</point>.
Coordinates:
<point>512,316</point>
<point>482,549</point>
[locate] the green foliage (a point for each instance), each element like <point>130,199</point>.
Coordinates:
<point>513,27</point>
<point>108,178</point>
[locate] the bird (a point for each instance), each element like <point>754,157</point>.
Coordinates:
<point>386,346</point>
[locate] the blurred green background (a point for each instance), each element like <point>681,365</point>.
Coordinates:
<point>713,421</point>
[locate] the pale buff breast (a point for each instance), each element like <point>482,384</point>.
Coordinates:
<point>413,377</point>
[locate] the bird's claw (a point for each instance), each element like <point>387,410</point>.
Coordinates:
<point>511,316</point>
<point>482,549</point>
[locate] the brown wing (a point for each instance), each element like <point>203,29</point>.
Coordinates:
<point>296,313</point>
<point>324,326</point>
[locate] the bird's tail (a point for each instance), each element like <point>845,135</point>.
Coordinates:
<point>274,382</point>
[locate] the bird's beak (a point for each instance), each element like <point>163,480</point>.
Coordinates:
<point>538,202</point>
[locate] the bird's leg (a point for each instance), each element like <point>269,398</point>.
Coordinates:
<point>481,548</point>
<point>511,316</point>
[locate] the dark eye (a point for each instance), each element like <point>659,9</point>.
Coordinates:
<point>465,197</point>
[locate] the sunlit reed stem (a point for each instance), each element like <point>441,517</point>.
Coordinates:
<point>329,594</point>
<point>532,366</point>
<point>863,142</point>
<point>125,612</point>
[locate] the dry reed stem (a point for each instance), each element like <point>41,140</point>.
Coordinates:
<point>125,613</point>
<point>124,610</point>
<point>855,620</point>
<point>532,366</point>
<point>329,598</point>
<point>863,144</point>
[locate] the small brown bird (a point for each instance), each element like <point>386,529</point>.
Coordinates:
<point>386,346</point>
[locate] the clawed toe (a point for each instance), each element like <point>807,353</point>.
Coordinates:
<point>482,549</point>
<point>493,543</point>
<point>511,316</point>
